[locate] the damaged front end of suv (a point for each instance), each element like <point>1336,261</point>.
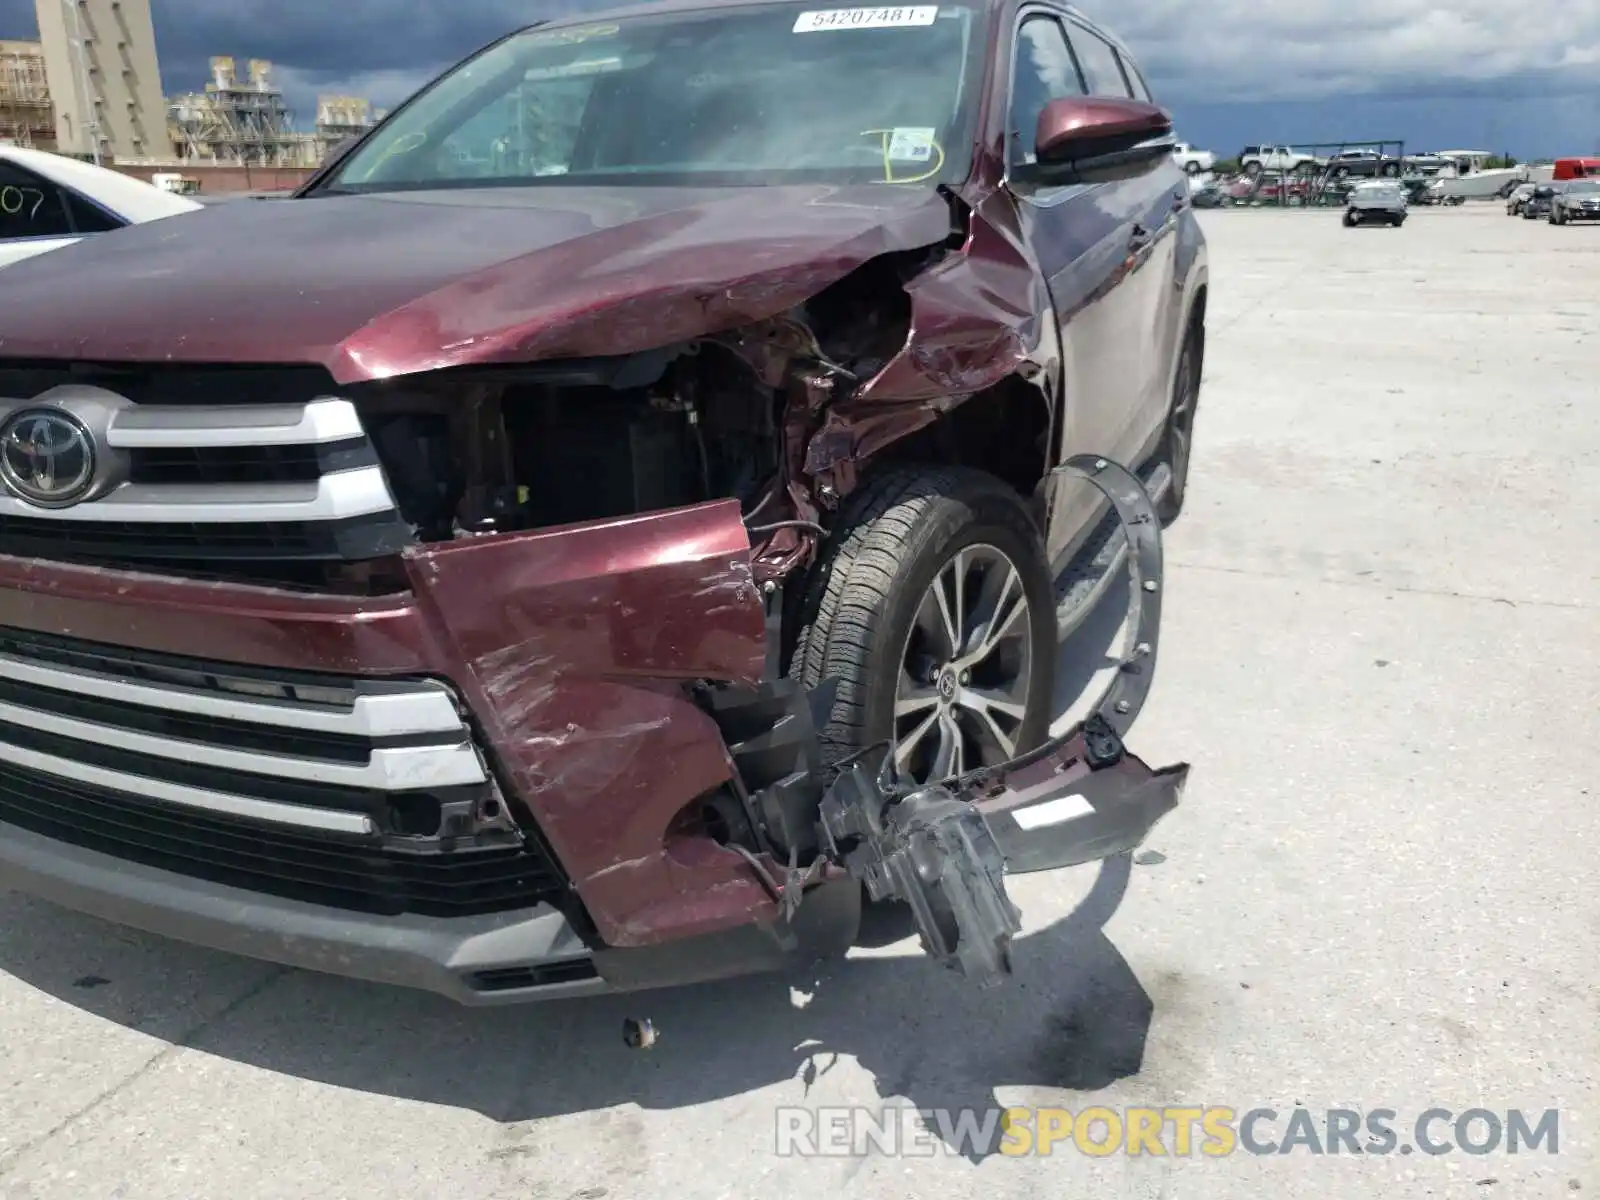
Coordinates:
<point>533,591</point>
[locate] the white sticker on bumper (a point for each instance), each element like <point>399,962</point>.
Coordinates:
<point>1052,812</point>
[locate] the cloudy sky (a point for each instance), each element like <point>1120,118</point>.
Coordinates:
<point>1441,74</point>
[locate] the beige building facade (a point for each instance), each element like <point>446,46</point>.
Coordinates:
<point>105,81</point>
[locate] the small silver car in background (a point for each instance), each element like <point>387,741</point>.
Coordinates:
<point>1378,202</point>
<point>1519,197</point>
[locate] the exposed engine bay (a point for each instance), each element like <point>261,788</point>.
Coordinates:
<point>727,416</point>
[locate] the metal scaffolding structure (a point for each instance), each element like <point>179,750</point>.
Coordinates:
<point>240,122</point>
<point>27,118</point>
<point>340,117</point>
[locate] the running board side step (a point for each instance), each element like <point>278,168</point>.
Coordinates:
<point>944,849</point>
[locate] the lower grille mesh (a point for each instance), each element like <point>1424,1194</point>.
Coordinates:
<point>351,874</point>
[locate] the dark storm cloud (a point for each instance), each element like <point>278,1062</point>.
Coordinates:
<point>321,43</point>
<point>351,37</point>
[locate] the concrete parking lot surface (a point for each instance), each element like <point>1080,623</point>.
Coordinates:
<point>1382,656</point>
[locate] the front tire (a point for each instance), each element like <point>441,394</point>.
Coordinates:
<point>935,611</point>
<point>1191,168</point>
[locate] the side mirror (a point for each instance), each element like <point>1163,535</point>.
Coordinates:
<point>1097,139</point>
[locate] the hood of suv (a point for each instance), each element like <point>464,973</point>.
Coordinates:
<point>377,286</point>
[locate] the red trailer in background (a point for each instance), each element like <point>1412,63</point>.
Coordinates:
<point>1576,168</point>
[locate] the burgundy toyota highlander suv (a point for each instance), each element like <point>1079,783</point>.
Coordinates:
<point>621,512</point>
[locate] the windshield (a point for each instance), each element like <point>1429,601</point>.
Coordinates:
<point>1586,188</point>
<point>779,93</point>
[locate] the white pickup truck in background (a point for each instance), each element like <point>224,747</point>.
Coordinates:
<point>1283,159</point>
<point>1195,162</point>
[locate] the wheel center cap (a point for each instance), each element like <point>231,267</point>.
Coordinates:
<point>947,685</point>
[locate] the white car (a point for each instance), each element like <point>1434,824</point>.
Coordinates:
<point>1280,159</point>
<point>1195,162</point>
<point>48,201</point>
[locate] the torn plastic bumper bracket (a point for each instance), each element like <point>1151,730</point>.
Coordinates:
<point>944,849</point>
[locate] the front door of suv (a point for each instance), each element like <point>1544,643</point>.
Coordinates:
<point>1106,253</point>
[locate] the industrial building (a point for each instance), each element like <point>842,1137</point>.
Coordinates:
<point>105,82</point>
<point>91,87</point>
<point>340,117</point>
<point>240,121</point>
<point>27,118</point>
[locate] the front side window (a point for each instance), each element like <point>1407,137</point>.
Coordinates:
<point>773,94</point>
<point>1045,71</point>
<point>30,206</point>
<point>1101,70</point>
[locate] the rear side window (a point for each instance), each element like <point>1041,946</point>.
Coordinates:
<point>1101,70</point>
<point>1141,90</point>
<point>1045,71</point>
<point>86,217</point>
<point>29,206</point>
<point>33,207</point>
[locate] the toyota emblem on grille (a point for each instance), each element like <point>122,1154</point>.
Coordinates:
<point>46,457</point>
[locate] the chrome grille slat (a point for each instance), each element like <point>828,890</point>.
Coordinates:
<point>101,728</point>
<point>336,497</point>
<point>327,820</point>
<point>410,709</point>
<point>152,426</point>
<point>388,768</point>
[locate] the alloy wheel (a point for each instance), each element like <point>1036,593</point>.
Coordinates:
<point>961,699</point>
